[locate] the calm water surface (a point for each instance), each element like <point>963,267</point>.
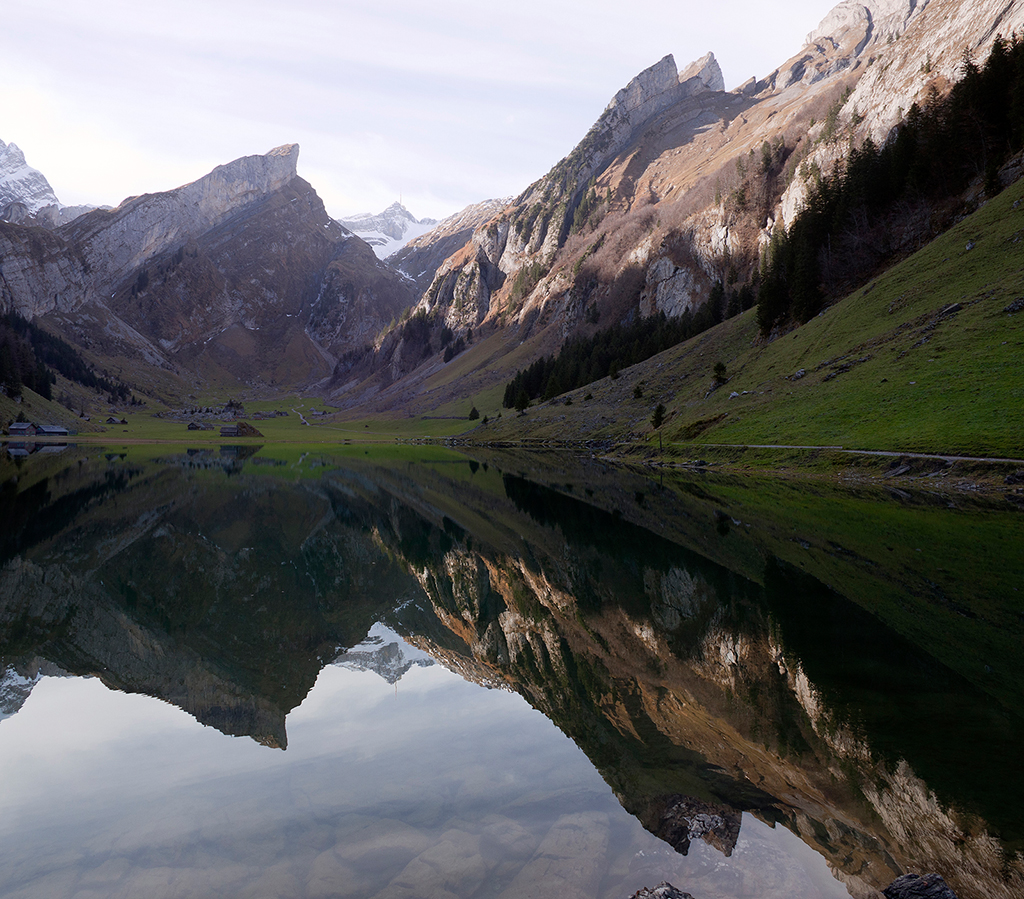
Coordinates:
<point>380,675</point>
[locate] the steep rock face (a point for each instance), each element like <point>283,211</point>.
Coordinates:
<point>118,242</point>
<point>271,295</point>
<point>239,276</point>
<point>39,271</point>
<point>914,47</point>
<point>848,32</point>
<point>930,52</point>
<point>421,257</point>
<point>545,211</point>
<point>537,224</point>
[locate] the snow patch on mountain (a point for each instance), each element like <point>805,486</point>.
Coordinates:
<point>20,183</point>
<point>26,195</point>
<point>385,653</point>
<point>15,688</point>
<point>387,232</point>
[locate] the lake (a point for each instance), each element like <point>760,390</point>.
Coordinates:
<point>409,672</point>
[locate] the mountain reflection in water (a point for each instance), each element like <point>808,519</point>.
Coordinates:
<point>681,633</point>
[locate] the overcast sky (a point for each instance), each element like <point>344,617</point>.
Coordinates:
<point>442,103</point>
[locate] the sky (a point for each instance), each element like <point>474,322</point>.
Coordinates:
<point>439,104</point>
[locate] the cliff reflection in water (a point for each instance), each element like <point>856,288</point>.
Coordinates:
<point>675,632</point>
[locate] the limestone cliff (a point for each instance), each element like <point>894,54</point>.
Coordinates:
<point>680,184</point>
<point>910,49</point>
<point>239,276</point>
<point>116,243</point>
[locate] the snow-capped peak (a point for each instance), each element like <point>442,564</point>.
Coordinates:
<point>385,653</point>
<point>388,231</point>
<point>20,183</point>
<point>26,195</point>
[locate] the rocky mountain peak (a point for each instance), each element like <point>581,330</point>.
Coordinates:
<point>11,155</point>
<point>703,74</point>
<point>250,177</point>
<point>390,230</point>
<point>657,87</point>
<point>646,87</point>
<point>21,184</point>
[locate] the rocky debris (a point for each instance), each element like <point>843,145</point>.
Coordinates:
<point>663,890</point>
<point>1015,306</point>
<point>1016,478</point>
<point>679,820</point>
<point>919,886</point>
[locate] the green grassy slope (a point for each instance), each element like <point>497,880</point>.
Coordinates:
<point>924,358</point>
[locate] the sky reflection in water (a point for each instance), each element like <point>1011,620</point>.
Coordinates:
<point>106,793</point>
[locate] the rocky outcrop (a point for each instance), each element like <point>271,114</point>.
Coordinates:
<point>239,276</point>
<point>679,820</point>
<point>919,886</point>
<point>117,243</point>
<point>663,890</point>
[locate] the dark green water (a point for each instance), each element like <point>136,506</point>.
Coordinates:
<point>398,673</point>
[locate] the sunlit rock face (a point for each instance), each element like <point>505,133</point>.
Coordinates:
<point>118,242</point>
<point>690,664</point>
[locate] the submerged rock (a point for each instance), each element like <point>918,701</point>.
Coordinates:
<point>663,890</point>
<point>919,886</point>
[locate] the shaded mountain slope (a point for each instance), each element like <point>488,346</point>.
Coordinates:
<point>240,276</point>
